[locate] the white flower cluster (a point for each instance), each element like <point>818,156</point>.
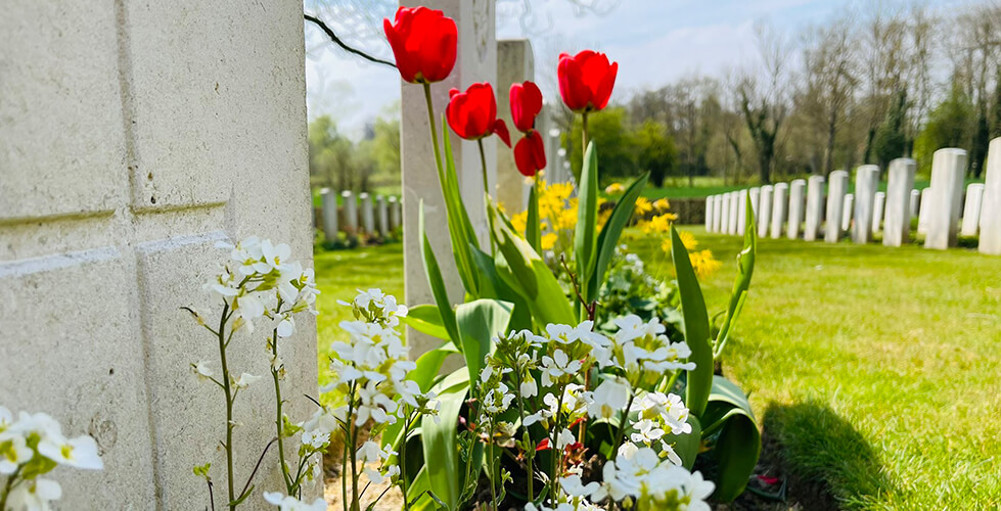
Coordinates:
<point>371,369</point>
<point>287,503</point>
<point>644,353</point>
<point>265,283</point>
<point>32,445</point>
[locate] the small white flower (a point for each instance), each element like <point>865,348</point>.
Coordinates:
<point>245,380</point>
<point>529,388</point>
<point>201,370</point>
<point>80,452</point>
<point>609,399</point>
<point>565,438</point>
<point>288,503</point>
<point>574,487</point>
<point>34,495</point>
<point>14,454</point>
<point>558,366</point>
<point>286,327</point>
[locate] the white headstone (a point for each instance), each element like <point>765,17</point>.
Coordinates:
<point>797,192</point>
<point>780,203</point>
<point>328,202</point>
<point>836,191</point>
<point>765,210</point>
<point>947,172</point>
<point>866,181</point>
<point>971,209</point>
<point>724,225</point>
<point>717,213</point>
<point>990,213</point>
<point>350,212</point>
<point>734,199</point>
<point>741,212</point>
<point>847,211</point>
<point>709,213</point>
<point>476,61</point>
<point>923,210</point>
<point>899,196</point>
<point>877,211</point>
<point>383,213</point>
<point>515,64</point>
<point>367,213</point>
<point>395,216</point>
<point>814,207</point>
<point>133,139</point>
<point>915,200</point>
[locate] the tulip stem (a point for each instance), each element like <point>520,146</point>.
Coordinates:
<point>583,130</point>
<point>483,162</point>
<point>434,131</point>
<point>486,195</point>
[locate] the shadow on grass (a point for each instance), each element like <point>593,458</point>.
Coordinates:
<point>829,465</point>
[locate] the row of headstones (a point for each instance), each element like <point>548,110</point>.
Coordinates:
<point>800,203</point>
<point>378,217</point>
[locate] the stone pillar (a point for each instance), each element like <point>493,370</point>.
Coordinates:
<point>133,139</point>
<point>350,212</point>
<point>923,210</point>
<point>765,210</point>
<point>755,195</point>
<point>900,195</point>
<point>515,64</point>
<point>866,182</point>
<point>741,212</point>
<point>709,213</point>
<point>846,212</point>
<point>395,216</point>
<point>476,62</point>
<point>328,200</point>
<point>947,172</point>
<point>971,209</point>
<point>990,213</point>
<point>797,191</point>
<point>367,213</point>
<point>717,212</point>
<point>814,207</point>
<point>724,223</point>
<point>383,209</point>
<point>877,211</point>
<point>780,202</point>
<point>915,199</point>
<point>835,205</point>
<point>734,199</point>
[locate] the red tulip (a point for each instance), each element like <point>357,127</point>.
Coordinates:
<point>530,154</point>
<point>473,114</point>
<point>526,103</point>
<point>586,80</point>
<point>424,43</point>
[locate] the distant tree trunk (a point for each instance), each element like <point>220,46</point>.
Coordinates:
<point>832,130</point>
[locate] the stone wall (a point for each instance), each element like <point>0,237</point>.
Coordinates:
<point>134,136</point>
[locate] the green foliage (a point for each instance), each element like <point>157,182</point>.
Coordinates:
<point>738,443</point>
<point>949,125</point>
<point>338,162</point>
<point>438,436</point>
<point>891,138</point>
<point>609,129</point>
<point>696,326</point>
<point>478,322</point>
<point>655,151</point>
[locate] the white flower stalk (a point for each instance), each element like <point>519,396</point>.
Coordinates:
<point>32,445</point>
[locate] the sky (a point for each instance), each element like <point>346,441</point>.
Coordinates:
<point>654,41</point>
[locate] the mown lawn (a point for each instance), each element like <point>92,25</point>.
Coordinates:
<point>875,369</point>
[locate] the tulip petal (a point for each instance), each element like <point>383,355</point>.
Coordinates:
<point>500,129</point>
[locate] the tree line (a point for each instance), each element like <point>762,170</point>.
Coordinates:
<point>866,86</point>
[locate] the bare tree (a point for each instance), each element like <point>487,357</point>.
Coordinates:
<point>763,101</point>
<point>829,82</point>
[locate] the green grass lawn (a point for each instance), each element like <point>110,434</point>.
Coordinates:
<point>875,369</point>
